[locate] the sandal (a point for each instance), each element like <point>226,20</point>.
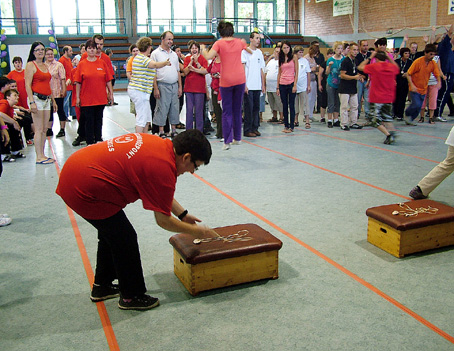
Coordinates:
<point>308,126</point>
<point>421,120</point>
<point>47,161</point>
<point>286,130</point>
<point>297,124</point>
<point>431,121</point>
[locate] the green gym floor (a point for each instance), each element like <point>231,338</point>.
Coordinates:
<point>310,189</point>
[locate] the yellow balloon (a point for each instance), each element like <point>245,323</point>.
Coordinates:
<point>256,29</point>
<point>3,65</point>
<point>51,39</point>
<point>2,31</point>
<point>55,52</point>
<point>3,46</point>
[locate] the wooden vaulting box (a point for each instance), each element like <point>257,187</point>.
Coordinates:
<point>414,226</point>
<point>242,253</point>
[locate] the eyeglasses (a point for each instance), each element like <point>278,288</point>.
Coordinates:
<point>196,168</point>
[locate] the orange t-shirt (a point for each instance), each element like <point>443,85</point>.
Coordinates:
<point>6,108</point>
<point>129,64</point>
<point>41,82</point>
<point>420,72</point>
<point>103,57</point>
<point>66,62</point>
<point>100,180</point>
<point>19,77</point>
<point>232,70</point>
<point>93,77</point>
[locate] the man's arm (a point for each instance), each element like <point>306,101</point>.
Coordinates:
<point>174,225</point>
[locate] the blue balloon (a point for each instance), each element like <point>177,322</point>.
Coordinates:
<point>3,37</point>
<point>53,46</point>
<point>4,54</point>
<point>50,31</point>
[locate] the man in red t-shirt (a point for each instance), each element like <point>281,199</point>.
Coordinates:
<point>382,91</point>
<point>65,60</point>
<point>98,181</point>
<point>99,40</point>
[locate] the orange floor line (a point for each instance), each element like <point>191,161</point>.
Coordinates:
<point>335,264</point>
<point>103,315</point>
<point>330,171</point>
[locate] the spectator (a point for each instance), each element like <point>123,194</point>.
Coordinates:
<point>447,67</point>
<point>362,85</point>
<point>287,79</point>
<point>40,100</point>
<point>312,93</point>
<point>81,51</point>
<point>133,50</point>
<point>404,62</point>
<point>333,65</point>
<point>4,140</point>
<point>18,74</point>
<point>255,86</point>
<point>271,72</point>
<point>10,152</point>
<point>65,60</point>
<point>181,57</point>
<point>323,96</point>
<point>195,69</point>
<point>303,87</point>
<point>214,68</point>
<point>92,78</point>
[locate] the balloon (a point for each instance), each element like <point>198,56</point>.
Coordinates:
<point>3,65</point>
<point>274,46</point>
<point>124,66</point>
<point>50,31</point>
<point>3,46</point>
<point>55,52</point>
<point>2,31</point>
<point>52,45</point>
<point>268,42</point>
<point>255,29</point>
<point>4,53</point>
<point>51,39</point>
<point>3,37</point>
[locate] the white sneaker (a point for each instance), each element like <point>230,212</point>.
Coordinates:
<point>5,221</point>
<point>226,147</point>
<point>236,142</point>
<point>4,215</point>
<point>441,119</point>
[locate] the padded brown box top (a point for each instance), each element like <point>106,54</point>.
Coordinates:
<point>425,213</point>
<point>251,239</point>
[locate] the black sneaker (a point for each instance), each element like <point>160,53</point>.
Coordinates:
<point>337,124</point>
<point>162,135</point>
<point>389,140</point>
<point>144,302</point>
<point>330,124</point>
<point>416,193</point>
<point>101,293</point>
<point>49,132</point>
<point>77,141</point>
<point>322,120</point>
<point>61,133</point>
<point>346,128</point>
<point>356,126</point>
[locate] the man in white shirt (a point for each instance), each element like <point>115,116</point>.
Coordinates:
<point>167,86</point>
<point>255,86</point>
<point>271,72</point>
<point>303,87</point>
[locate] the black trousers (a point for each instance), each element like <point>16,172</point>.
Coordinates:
<point>118,255</point>
<point>401,97</point>
<point>93,122</point>
<point>15,141</point>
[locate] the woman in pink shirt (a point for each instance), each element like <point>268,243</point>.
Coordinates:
<point>232,80</point>
<point>287,79</point>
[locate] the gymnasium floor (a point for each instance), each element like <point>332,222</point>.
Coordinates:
<point>310,189</point>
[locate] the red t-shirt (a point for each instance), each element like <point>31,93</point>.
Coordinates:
<point>382,82</point>
<point>6,108</point>
<point>195,82</point>
<point>232,70</point>
<point>101,179</point>
<point>19,77</point>
<point>93,77</point>
<point>66,62</point>
<point>103,57</point>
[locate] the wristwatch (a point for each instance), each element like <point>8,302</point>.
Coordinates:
<point>31,102</point>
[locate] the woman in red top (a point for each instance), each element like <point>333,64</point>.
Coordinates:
<point>92,77</point>
<point>37,85</point>
<point>195,66</point>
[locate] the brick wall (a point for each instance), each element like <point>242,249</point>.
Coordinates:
<point>319,19</point>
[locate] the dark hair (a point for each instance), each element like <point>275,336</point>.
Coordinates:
<point>109,51</point>
<point>31,55</point>
<point>90,43</point>
<point>253,34</point>
<point>314,42</point>
<point>225,29</point>
<point>361,40</point>
<point>132,47</point>
<point>9,92</point>
<point>403,51</point>
<point>17,59</point>
<point>97,36</point>
<point>381,56</point>
<point>345,46</point>
<point>163,35</point>
<point>430,48</point>
<point>3,81</point>
<point>282,55</point>
<point>194,142</point>
<point>66,49</point>
<point>330,51</point>
<point>82,45</point>
<point>381,41</point>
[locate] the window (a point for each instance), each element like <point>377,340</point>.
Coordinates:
<point>7,15</point>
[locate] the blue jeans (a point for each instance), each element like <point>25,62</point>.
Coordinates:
<point>414,109</point>
<point>288,100</point>
<point>363,92</point>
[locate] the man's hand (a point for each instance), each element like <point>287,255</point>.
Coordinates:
<point>5,137</point>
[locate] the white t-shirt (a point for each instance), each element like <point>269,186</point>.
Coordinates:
<point>255,63</point>
<point>166,74</point>
<point>303,70</point>
<point>272,70</point>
